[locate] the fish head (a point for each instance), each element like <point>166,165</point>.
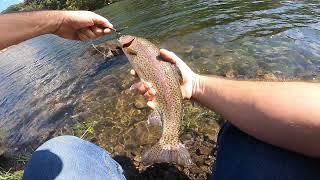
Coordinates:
<point>129,45</point>
<point>126,40</point>
<point>141,53</point>
<point>136,47</point>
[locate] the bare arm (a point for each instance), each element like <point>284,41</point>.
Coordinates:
<point>76,25</point>
<point>285,114</point>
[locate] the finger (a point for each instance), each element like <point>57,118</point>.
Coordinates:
<point>152,92</point>
<point>173,58</point>
<point>88,33</point>
<point>147,84</point>
<point>82,37</point>
<point>140,87</point>
<point>97,31</point>
<point>101,21</point>
<point>149,96</point>
<point>107,31</point>
<point>167,55</point>
<point>133,72</point>
<point>151,104</point>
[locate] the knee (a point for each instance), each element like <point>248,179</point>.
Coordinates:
<point>60,142</point>
<point>65,138</point>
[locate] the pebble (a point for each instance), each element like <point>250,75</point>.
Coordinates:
<point>208,162</point>
<point>137,158</point>
<point>211,137</point>
<point>188,49</point>
<point>205,150</point>
<point>136,164</point>
<point>118,148</point>
<point>140,102</point>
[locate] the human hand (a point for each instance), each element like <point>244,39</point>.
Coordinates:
<point>81,25</point>
<point>189,84</point>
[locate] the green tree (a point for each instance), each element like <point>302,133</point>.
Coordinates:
<point>85,4</point>
<point>14,8</point>
<point>29,5</point>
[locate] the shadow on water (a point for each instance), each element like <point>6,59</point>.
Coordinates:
<point>157,171</point>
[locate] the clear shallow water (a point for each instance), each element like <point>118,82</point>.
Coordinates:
<point>48,84</point>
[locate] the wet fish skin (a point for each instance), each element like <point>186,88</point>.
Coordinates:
<point>144,57</point>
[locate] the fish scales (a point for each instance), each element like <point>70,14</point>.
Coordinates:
<point>144,57</point>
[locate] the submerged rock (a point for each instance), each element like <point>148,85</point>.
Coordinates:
<point>188,49</point>
<point>108,49</point>
<point>140,102</point>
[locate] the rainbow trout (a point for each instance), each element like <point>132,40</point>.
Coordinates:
<point>164,76</point>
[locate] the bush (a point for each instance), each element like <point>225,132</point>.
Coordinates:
<point>14,8</point>
<point>29,5</point>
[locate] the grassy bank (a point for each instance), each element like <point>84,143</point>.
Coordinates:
<point>10,175</point>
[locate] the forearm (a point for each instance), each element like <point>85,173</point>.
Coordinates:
<point>18,27</point>
<point>282,114</point>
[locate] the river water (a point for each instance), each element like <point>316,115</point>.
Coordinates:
<point>50,86</point>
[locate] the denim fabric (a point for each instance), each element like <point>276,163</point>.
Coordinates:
<point>242,157</point>
<point>71,158</point>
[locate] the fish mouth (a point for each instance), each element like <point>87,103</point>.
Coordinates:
<point>126,41</point>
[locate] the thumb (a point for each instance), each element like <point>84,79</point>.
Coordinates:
<point>101,21</point>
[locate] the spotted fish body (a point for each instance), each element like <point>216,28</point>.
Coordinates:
<point>164,76</point>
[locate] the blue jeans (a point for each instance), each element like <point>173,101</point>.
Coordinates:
<point>240,156</point>
<point>243,157</point>
<point>71,158</point>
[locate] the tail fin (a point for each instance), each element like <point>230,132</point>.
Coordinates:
<point>177,153</point>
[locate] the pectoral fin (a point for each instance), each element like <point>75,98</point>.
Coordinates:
<point>155,118</point>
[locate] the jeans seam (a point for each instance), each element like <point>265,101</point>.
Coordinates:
<point>108,165</point>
